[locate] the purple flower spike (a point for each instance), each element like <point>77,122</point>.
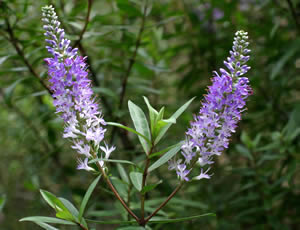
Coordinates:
<point>72,92</point>
<point>220,113</point>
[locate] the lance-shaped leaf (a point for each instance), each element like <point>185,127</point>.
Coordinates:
<point>136,179</point>
<point>174,116</point>
<point>160,124</point>
<point>152,113</point>
<point>46,226</point>
<point>61,210</point>
<point>164,150</point>
<point>130,130</point>
<point>141,124</point>
<point>87,197</point>
<point>45,219</point>
<point>150,187</point>
<point>154,220</point>
<point>165,221</point>
<point>167,156</point>
<point>123,173</point>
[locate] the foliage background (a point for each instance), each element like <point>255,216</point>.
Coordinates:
<point>256,181</point>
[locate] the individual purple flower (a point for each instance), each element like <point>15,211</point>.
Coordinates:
<point>217,14</point>
<point>72,92</point>
<point>107,151</point>
<point>182,172</point>
<point>203,175</point>
<point>84,165</point>
<point>173,163</point>
<point>221,111</point>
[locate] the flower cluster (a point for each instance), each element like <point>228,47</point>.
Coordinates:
<point>221,110</point>
<point>72,93</point>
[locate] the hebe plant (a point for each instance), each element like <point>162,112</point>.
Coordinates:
<point>191,158</point>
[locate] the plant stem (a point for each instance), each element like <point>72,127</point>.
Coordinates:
<point>145,174</point>
<point>83,52</point>
<point>129,69</point>
<point>128,199</point>
<point>81,226</point>
<point>133,58</point>
<point>87,20</point>
<point>115,191</point>
<point>164,203</point>
<point>143,185</point>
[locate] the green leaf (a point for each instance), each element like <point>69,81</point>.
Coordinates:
<point>61,211</point>
<point>136,179</point>
<point>46,226</point>
<point>111,160</point>
<point>160,114</point>
<point>154,220</point>
<point>167,156</point>
<point>65,215</point>
<point>47,220</point>
<point>175,116</point>
<point>246,139</point>
<point>123,173</point>
<point>52,200</point>
<point>141,124</point>
<point>150,187</point>
<point>160,124</point>
<point>164,221</point>
<point>69,206</point>
<point>244,151</point>
<point>87,197</point>
<point>152,113</point>
<point>73,211</point>
<point>164,150</point>
<point>130,130</point>
<point>160,221</point>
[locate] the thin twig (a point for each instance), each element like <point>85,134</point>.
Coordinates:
<point>143,185</point>
<point>87,20</point>
<point>168,199</point>
<point>164,203</point>
<point>20,52</point>
<point>133,58</point>
<point>131,63</point>
<point>114,190</point>
<point>81,226</point>
<point>145,174</point>
<point>83,52</point>
<point>128,198</point>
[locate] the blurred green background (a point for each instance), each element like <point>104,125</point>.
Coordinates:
<point>168,55</point>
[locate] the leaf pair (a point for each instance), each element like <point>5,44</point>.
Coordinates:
<point>150,137</point>
<point>66,212</point>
